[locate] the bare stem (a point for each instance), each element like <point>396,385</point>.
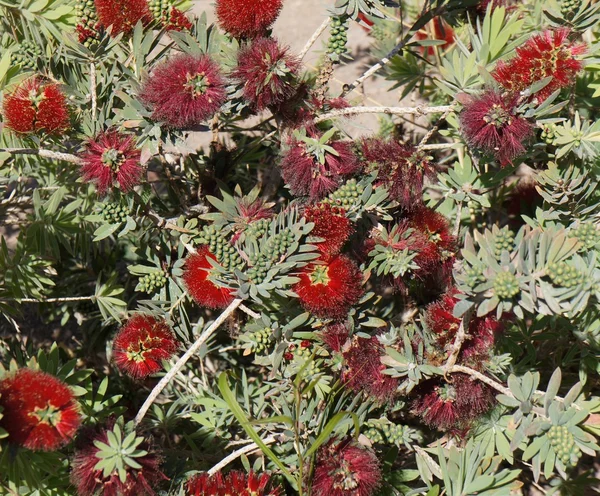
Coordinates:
<point>237,453</point>
<point>252,313</point>
<point>184,358</point>
<point>65,299</point>
<point>314,37</point>
<point>93,85</point>
<point>434,129</point>
<point>65,157</point>
<point>483,378</point>
<point>418,110</point>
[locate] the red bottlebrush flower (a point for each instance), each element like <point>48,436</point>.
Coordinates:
<point>176,20</point>
<point>400,168</point>
<point>36,106</point>
<point>307,174</point>
<point>91,481</point>
<point>142,344</point>
<point>268,73</point>
<point>328,289</point>
<point>122,15</point>
<point>111,157</point>
<point>184,91</point>
<point>346,468</point>
<point>234,483</point>
<point>196,274</point>
<point>547,54</point>
<point>335,336</point>
<point>247,18</point>
<point>452,405</point>
<point>86,33</point>
<point>363,370</point>
<point>332,225</point>
<point>40,411</point>
<point>489,122</point>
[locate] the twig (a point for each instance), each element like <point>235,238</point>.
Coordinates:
<point>93,89</point>
<point>418,110</point>
<point>459,339</point>
<point>438,146</point>
<point>184,358</point>
<point>252,313</point>
<point>65,157</point>
<point>456,229</point>
<point>236,454</point>
<point>314,38</point>
<point>50,300</point>
<point>483,378</point>
<point>434,129</point>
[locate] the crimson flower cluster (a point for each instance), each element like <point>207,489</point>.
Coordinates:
<point>112,158</point>
<point>247,18</point>
<point>36,106</point>
<point>345,468</point>
<point>184,91</point>
<point>39,411</point>
<point>234,483</point>
<point>331,225</point>
<point>196,275</point>
<point>122,16</point>
<point>142,344</point>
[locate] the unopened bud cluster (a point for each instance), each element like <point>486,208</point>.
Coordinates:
<point>276,247</point>
<point>385,432</point>
<point>505,240</point>
<point>346,195</point>
<point>563,443</point>
<point>564,275</point>
<point>588,234</point>
<point>506,285</point>
<point>26,55</point>
<point>114,213</point>
<point>260,339</point>
<point>152,282</point>
<point>569,7</point>
<point>549,133</point>
<point>221,248</point>
<point>257,228</point>
<point>338,36</point>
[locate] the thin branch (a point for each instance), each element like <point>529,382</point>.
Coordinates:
<point>483,378</point>
<point>438,146</point>
<point>65,157</point>
<point>184,358</point>
<point>418,110</point>
<point>236,454</point>
<point>50,300</point>
<point>314,37</point>
<point>434,129</point>
<point>252,313</point>
<point>456,230</point>
<point>93,85</point>
<point>459,339</point>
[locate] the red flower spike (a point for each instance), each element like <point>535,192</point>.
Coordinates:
<point>184,91</point>
<point>400,168</point>
<point>142,344</point>
<point>36,106</point>
<point>346,468</point>
<point>177,21</point>
<point>547,54</point>
<point>112,158</point>
<point>363,370</point>
<point>335,336</point>
<point>306,176</point>
<point>122,15</point>
<point>204,292</point>
<point>328,289</point>
<point>40,411</point>
<point>247,18</point>
<point>268,73</point>
<point>453,405</point>
<point>90,481</point>
<point>490,123</point>
<point>332,225</point>
<point>234,483</point>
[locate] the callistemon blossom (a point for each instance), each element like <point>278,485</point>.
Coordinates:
<point>112,158</point>
<point>267,71</point>
<point>335,336</point>
<point>452,404</point>
<point>234,483</point>
<point>122,15</point>
<point>247,18</point>
<point>400,168</point>
<point>174,19</point>
<point>363,370</point>
<point>329,288</point>
<point>91,480</point>
<point>142,344</point>
<point>489,122</point>
<point>331,224</point>
<point>39,410</point>
<point>184,91</point>
<point>345,468</point>
<point>196,273</point>
<point>36,106</point>
<point>313,168</point>
<point>548,54</point>
<point>481,331</point>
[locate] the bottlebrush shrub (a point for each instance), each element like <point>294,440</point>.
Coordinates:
<point>241,268</point>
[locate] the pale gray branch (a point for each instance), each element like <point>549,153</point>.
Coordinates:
<point>65,157</point>
<point>314,37</point>
<point>418,110</point>
<point>237,453</point>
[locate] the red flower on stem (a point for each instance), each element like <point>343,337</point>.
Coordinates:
<point>247,18</point>
<point>40,411</point>
<point>36,106</point>
<point>548,54</point>
<point>328,289</point>
<point>332,225</point>
<point>234,483</point>
<point>196,274</point>
<point>122,15</point>
<point>490,123</point>
<point>175,20</point>
<point>345,468</point>
<point>142,344</point>
<point>184,91</point>
<point>112,158</point>
<point>268,73</point>
<point>335,336</point>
